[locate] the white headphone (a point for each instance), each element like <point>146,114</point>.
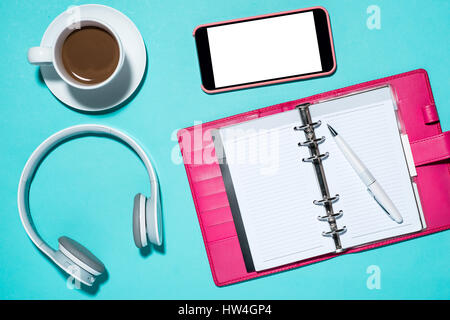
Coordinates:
<point>72,257</point>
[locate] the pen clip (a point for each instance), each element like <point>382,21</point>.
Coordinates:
<point>379,203</point>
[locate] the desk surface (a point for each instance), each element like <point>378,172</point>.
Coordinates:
<point>85,188</point>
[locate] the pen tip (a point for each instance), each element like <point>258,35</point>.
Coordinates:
<point>333,132</point>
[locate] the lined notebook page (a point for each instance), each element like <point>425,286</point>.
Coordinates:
<point>275,190</point>
<point>367,122</point>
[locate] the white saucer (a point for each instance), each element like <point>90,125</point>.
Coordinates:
<point>127,81</point>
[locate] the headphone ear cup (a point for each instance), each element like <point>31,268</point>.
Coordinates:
<point>154,221</point>
<point>81,256</point>
<point>139,225</point>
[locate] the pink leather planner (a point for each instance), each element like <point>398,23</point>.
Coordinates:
<point>430,149</point>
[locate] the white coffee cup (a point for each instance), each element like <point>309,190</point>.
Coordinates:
<point>51,55</point>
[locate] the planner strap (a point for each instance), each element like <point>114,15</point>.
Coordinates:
<point>316,158</point>
<point>430,114</point>
<point>431,149</point>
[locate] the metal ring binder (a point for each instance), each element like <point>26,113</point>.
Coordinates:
<point>334,215</point>
<point>312,125</point>
<point>334,232</point>
<point>327,200</point>
<point>308,142</point>
<point>316,159</point>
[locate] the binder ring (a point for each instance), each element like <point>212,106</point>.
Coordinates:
<point>316,157</point>
<point>335,215</point>
<point>310,142</point>
<point>326,201</point>
<point>308,126</point>
<point>333,232</point>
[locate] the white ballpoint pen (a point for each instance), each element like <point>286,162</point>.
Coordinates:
<point>367,178</point>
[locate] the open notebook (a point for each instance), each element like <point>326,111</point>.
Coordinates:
<point>271,190</point>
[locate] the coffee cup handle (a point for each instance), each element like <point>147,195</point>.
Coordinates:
<point>40,56</point>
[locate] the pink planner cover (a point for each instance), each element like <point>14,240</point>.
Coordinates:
<point>420,121</point>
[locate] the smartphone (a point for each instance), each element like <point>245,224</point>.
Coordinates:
<point>265,49</point>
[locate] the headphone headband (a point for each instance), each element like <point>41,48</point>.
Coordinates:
<point>39,154</point>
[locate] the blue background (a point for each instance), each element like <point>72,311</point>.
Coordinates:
<point>85,188</point>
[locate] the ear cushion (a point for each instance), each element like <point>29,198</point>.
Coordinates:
<point>154,221</point>
<point>139,227</point>
<point>81,256</point>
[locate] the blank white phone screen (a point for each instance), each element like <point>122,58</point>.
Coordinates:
<point>264,49</point>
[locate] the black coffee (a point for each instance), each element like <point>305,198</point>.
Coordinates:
<point>90,55</point>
